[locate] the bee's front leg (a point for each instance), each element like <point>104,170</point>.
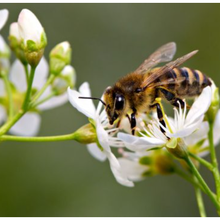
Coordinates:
<point>133,122</point>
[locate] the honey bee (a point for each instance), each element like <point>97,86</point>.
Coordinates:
<point>138,91</point>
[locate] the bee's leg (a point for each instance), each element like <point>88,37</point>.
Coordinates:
<point>170,97</point>
<point>160,116</point>
<point>133,121</point>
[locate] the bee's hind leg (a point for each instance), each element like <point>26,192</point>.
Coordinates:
<point>170,97</point>
<point>160,116</point>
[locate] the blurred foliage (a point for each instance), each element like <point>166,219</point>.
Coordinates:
<point>108,41</point>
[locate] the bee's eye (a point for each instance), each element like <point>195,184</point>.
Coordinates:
<point>119,102</point>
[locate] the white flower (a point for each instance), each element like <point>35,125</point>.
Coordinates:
<point>3,17</point>
<point>17,76</point>
<point>29,27</point>
<point>99,117</point>
<point>183,125</point>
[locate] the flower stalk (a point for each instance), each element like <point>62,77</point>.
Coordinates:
<point>202,182</point>
<point>9,93</point>
<point>215,170</point>
<point>28,93</point>
<point>199,200</point>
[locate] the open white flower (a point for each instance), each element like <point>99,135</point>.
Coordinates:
<point>105,140</point>
<point>183,125</point>
<point>17,76</point>
<point>3,17</point>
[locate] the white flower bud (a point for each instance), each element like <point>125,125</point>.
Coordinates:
<point>3,17</point>
<point>15,42</point>
<point>60,56</point>
<point>33,36</point>
<point>66,79</point>
<point>14,31</point>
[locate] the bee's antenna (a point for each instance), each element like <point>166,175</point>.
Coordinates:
<point>94,99</point>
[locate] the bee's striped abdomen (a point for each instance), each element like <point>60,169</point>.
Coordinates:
<point>185,82</point>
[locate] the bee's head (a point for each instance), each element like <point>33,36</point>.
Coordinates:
<point>115,104</point>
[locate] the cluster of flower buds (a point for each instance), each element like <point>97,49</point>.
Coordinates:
<point>48,85</point>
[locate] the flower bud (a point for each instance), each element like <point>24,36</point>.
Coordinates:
<point>66,79</point>
<point>33,37</point>
<point>3,17</point>
<point>213,109</point>
<point>180,150</point>
<point>60,56</point>
<point>15,42</point>
<point>4,57</point>
<point>86,134</point>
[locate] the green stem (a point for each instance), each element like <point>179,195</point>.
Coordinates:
<point>38,139</point>
<point>9,93</point>
<point>202,182</point>
<point>50,79</point>
<point>215,170</point>
<point>43,100</point>
<point>202,161</point>
<point>28,93</point>
<point>11,122</point>
<point>26,72</point>
<point>199,200</point>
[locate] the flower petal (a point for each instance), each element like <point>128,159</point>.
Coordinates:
<point>96,152</point>
<point>102,136</point>
<point>116,169</point>
<point>84,106</point>
<point>198,135</point>
<point>3,17</point>
<point>135,143</point>
<point>200,106</point>
<point>216,129</point>
<point>41,74</point>
<point>17,76</point>
<point>28,125</point>
<point>186,130</point>
<point>54,101</point>
<point>132,169</point>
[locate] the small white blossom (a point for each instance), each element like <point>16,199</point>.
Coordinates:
<point>183,125</point>
<point>99,117</point>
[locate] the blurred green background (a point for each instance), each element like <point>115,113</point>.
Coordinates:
<point>108,41</point>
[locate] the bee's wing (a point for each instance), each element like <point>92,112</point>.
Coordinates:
<point>163,54</point>
<point>168,82</point>
<point>167,68</point>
